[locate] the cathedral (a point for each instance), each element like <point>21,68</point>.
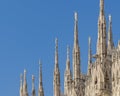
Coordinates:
<point>102,78</point>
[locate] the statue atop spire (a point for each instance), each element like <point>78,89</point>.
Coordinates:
<point>40,73</point>
<point>89,51</point>
<point>56,45</point>
<point>33,86</point>
<point>110,19</point>
<point>76,45</point>
<point>21,80</point>
<point>68,57</point>
<point>25,92</point>
<point>76,16</point>
<point>21,85</point>
<point>89,56</point>
<point>110,37</point>
<point>102,7</point>
<point>56,53</point>
<point>33,79</point>
<point>41,91</point>
<point>24,75</point>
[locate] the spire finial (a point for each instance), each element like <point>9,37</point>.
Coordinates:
<point>102,7</point>
<point>21,85</point>
<point>24,75</point>
<point>56,44</point>
<point>56,53</point>
<point>68,52</point>
<point>89,56</point>
<point>76,16</point>
<point>33,78</point>
<point>110,18</point>
<point>76,30</point>
<point>110,37</point>
<point>89,43</point>
<point>89,51</point>
<point>39,62</point>
<point>25,85</point>
<point>40,73</point>
<point>25,82</point>
<point>56,80</point>
<point>68,58</point>
<point>21,79</point>
<point>24,71</point>
<point>41,91</point>
<point>110,23</point>
<point>33,86</point>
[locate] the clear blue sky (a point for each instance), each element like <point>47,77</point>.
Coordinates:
<point>27,32</point>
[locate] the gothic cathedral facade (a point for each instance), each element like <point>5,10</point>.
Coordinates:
<point>102,78</point>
